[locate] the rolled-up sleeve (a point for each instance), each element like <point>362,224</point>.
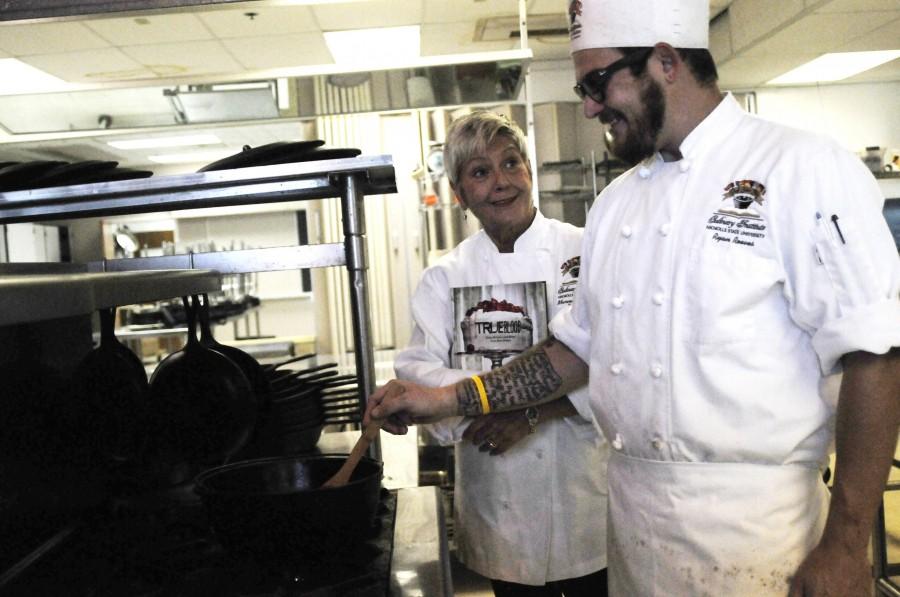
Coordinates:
<point>841,262</point>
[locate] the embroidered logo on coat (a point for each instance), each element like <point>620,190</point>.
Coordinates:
<point>569,269</point>
<point>737,221</point>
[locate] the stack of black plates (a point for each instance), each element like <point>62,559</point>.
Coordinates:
<point>281,152</point>
<point>20,176</point>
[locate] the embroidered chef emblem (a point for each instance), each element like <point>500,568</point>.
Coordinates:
<point>737,220</point>
<point>569,269</point>
<point>574,20</point>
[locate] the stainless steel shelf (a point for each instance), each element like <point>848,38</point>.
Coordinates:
<point>40,297</point>
<point>234,262</point>
<point>262,184</point>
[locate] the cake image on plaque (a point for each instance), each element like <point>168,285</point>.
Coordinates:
<point>493,325</point>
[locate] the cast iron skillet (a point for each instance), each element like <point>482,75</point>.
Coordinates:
<point>259,381</point>
<point>112,384</point>
<point>202,405</point>
<point>276,508</point>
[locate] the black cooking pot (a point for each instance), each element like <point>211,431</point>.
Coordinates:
<point>276,508</point>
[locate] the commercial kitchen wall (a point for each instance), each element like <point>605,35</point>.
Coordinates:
<point>856,115</point>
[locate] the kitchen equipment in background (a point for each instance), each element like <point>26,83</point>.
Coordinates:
<point>126,242</point>
<point>202,408</point>
<point>111,387</point>
<point>276,508</point>
<point>873,158</point>
<point>420,91</point>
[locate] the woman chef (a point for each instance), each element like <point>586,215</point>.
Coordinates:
<point>727,279</point>
<point>530,497</point>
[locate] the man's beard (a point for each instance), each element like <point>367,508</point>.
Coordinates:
<point>643,128</point>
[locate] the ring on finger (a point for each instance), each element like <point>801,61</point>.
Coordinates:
<point>491,444</point>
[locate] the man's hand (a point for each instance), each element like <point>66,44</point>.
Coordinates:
<point>497,432</point>
<point>833,571</point>
<point>400,404</point>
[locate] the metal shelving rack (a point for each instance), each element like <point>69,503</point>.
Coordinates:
<point>349,179</point>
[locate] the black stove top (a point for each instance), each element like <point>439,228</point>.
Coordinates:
<point>160,545</point>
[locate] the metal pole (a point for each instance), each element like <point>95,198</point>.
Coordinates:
<point>354,223</point>
<point>529,103</point>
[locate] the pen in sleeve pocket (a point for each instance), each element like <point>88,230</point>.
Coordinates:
<point>834,220</point>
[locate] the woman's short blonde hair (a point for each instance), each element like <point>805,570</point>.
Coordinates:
<point>470,135</point>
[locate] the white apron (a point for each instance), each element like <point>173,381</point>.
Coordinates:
<point>688,531</point>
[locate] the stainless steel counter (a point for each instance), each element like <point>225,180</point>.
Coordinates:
<point>420,564</point>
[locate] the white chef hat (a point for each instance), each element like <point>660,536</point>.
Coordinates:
<point>638,23</point>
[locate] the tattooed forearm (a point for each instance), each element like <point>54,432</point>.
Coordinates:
<point>467,398</point>
<point>525,380</point>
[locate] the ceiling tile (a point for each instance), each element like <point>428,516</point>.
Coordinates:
<point>456,38</point>
<point>299,49</point>
<point>886,37</point>
<point>537,7</point>
<point>151,29</point>
<point>48,38</point>
<point>752,20</point>
<point>859,5</point>
<point>90,66</point>
<point>193,57</point>
<point>269,20</point>
<point>449,11</point>
<point>745,72</point>
<point>365,15</point>
<point>819,33</point>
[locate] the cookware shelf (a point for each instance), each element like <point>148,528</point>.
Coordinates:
<point>40,297</point>
<point>349,179</point>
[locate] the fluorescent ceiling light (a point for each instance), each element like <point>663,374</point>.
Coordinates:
<point>194,157</point>
<point>374,47</point>
<point>181,141</point>
<point>18,77</point>
<point>834,67</point>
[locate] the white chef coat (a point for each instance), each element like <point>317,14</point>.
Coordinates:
<point>710,333</point>
<point>536,513</point>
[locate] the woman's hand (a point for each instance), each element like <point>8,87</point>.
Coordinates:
<point>497,432</point>
<point>400,404</point>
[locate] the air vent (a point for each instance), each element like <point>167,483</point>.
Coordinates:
<point>506,28</point>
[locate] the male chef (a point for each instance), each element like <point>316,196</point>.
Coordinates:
<point>731,279</point>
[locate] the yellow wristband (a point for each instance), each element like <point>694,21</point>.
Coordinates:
<point>485,407</point>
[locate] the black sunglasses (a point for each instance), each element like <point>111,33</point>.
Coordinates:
<point>593,85</point>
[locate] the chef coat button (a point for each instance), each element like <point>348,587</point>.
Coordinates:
<point>627,231</point>
<point>618,301</point>
<point>616,368</point>
<point>656,370</point>
<point>644,172</point>
<point>656,443</point>
<point>539,454</point>
<point>684,165</point>
<point>658,298</point>
<point>617,442</point>
<point>665,229</point>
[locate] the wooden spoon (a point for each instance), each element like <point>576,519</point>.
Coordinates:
<point>341,477</point>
